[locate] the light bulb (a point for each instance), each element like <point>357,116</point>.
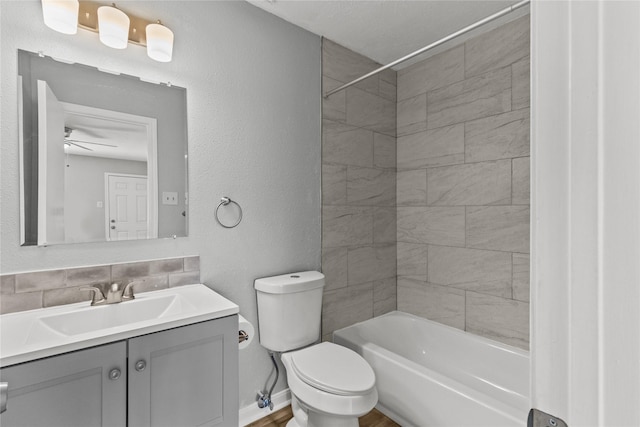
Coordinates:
<point>159,42</point>
<point>113,27</point>
<point>61,15</point>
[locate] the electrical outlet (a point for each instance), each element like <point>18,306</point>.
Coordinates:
<point>169,198</point>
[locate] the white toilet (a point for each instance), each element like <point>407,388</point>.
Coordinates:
<point>331,385</point>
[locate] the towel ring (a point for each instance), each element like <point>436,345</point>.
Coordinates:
<point>224,202</point>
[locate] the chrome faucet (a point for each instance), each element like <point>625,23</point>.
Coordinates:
<point>114,293</point>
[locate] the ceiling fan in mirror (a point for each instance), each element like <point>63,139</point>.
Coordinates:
<point>68,141</point>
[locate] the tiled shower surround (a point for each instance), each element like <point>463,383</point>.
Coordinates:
<point>28,291</point>
<point>358,190</point>
<point>461,208</point>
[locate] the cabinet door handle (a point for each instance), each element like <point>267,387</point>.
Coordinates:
<point>140,365</point>
<point>114,374</point>
<point>4,395</point>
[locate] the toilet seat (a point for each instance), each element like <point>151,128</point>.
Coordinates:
<point>334,369</point>
<point>349,405</point>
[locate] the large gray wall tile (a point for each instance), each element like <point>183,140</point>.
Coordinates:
<point>347,145</point>
<point>498,318</point>
<point>146,268</point>
<point>334,107</point>
<point>384,224</point>
<point>371,187</point>
<point>521,181</point>
<point>60,296</point>
<point>346,225</point>
<point>503,136</point>
<point>184,278</point>
<point>502,228</point>
<point>476,97</point>
<point>485,183</point>
<point>412,188</point>
<point>439,303</point>
<point>334,184</point>
<point>412,115</point>
<point>41,280</point>
<point>477,270</point>
<point>344,307</point>
<point>344,65</point>
<point>387,84</point>
<point>384,296</point>
<point>369,263</point>
<point>371,111</point>
<point>154,283</point>
<point>412,260</point>
<point>437,147</point>
<point>497,48</point>
<point>192,263</point>
<point>521,277</point>
<point>521,90</point>
<point>334,268</point>
<point>384,151</point>
<point>20,302</point>
<point>434,72</point>
<point>8,284</point>
<point>435,225</point>
<point>88,276</point>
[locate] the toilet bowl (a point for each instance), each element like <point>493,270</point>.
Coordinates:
<point>331,385</point>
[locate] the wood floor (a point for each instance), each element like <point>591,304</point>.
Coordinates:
<point>280,418</point>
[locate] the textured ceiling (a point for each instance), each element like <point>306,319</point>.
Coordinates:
<point>384,30</point>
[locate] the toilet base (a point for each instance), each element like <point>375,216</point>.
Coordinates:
<point>304,417</point>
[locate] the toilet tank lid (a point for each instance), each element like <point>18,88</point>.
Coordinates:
<point>289,283</point>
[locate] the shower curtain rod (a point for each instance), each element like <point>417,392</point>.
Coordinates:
<point>431,46</point>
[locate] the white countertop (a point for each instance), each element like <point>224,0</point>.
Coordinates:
<point>34,334</point>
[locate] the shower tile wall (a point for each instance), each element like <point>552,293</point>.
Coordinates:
<point>358,190</point>
<point>463,185</point>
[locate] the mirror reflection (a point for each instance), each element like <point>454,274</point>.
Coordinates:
<point>104,155</point>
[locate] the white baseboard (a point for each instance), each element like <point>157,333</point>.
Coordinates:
<point>252,413</point>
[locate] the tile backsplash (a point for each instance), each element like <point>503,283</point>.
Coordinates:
<point>31,290</point>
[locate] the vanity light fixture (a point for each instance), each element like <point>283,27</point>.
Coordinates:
<point>159,42</point>
<point>61,15</point>
<point>115,28</point>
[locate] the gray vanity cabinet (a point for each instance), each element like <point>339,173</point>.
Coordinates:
<point>84,388</point>
<point>187,376</point>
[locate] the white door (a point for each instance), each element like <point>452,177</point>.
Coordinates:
<point>50,167</point>
<point>127,211</point>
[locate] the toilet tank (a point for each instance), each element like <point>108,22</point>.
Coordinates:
<point>289,310</point>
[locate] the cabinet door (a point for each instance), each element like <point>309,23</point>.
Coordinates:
<point>186,376</point>
<point>73,389</point>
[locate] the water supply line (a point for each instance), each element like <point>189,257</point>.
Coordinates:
<point>264,399</point>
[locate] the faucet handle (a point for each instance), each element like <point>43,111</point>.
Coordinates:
<point>127,293</point>
<point>97,297</point>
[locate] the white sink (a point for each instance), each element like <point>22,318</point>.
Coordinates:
<point>90,319</point>
<point>45,332</point>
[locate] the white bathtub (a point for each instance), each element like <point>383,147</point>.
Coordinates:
<point>429,374</point>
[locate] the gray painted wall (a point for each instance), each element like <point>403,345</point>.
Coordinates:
<point>84,188</point>
<point>254,129</point>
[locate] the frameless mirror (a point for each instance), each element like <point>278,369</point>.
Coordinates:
<point>104,155</point>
